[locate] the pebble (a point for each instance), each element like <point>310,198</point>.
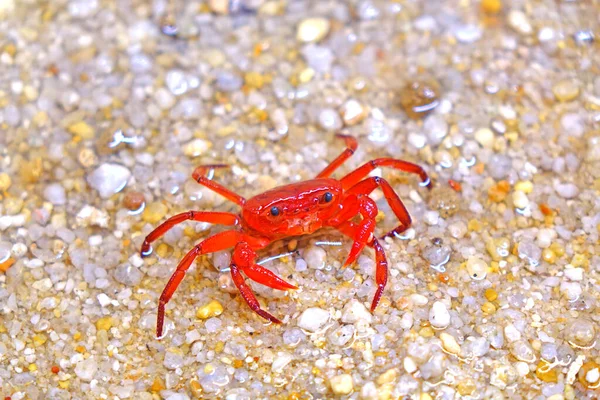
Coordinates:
<point>109,179</point>
<point>86,369</point>
<point>55,194</point>
<point>409,365</point>
<point>330,120</point>
<point>341,384</point>
<point>581,333</point>
<point>566,90</point>
<point>228,81</point>
<point>81,129</point>
<point>530,252</point>
<point>173,359</point>
<point>154,212</point>
<point>177,82</point>
<point>468,33</point>
<point>319,58</point>
<point>133,201</point>
<point>485,137</point>
<point>196,147</point>
<point>420,98</point>
<point>436,129</point>
<point>566,190</point>
<point>477,268</point>
<point>315,257</point>
<point>439,317</point>
<point>449,343</point>
<point>312,30</point>
<point>5,181</point>
<point>355,311</point>
<point>499,166</point>
<point>282,360</point>
<point>313,319</point>
<point>511,333</point>
<point>353,112</point>
<point>520,200</point>
<point>164,99</point>
<point>519,21</point>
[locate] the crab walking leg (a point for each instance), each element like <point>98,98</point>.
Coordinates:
<point>248,296</point>
<point>368,185</point>
<point>358,174</point>
<point>381,270</point>
<point>199,177</point>
<point>351,146</point>
<point>243,257</point>
<point>220,241</point>
<point>364,230</point>
<point>222,218</point>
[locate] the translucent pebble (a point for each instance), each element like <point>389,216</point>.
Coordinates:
<point>522,351</point>
<point>213,377</point>
<point>319,58</point>
<point>301,265</point>
<point>439,316</point>
<point>353,112</point>
<point>573,124</point>
<point>330,120</point>
<point>468,33</point>
<point>566,90</point>
<point>109,179</point>
<point>477,268</point>
<point>55,194</point>
<point>177,82</point>
<point>437,255</point>
<point>519,21</point>
<point>293,337</point>
<point>499,166</point>
<point>140,63</point>
<point>164,99</point>
<point>212,325</point>
<point>128,274</point>
<point>229,81</point>
<point>366,10</point>
<point>173,359</point>
<point>281,361</point>
<point>548,352</point>
<point>82,8</point>
<point>177,396</point>
<point>581,332</point>
<point>436,129</point>
<point>12,115</point>
<point>458,229</point>
<point>566,190</point>
<point>529,252</point>
<point>313,319</point>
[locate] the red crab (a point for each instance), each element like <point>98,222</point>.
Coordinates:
<point>296,209</point>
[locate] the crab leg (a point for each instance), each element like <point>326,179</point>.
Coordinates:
<point>368,185</point>
<point>351,146</point>
<point>222,218</point>
<point>220,241</point>
<point>243,257</point>
<point>364,230</point>
<point>381,271</point>
<point>199,177</point>
<point>248,296</point>
<point>355,176</point>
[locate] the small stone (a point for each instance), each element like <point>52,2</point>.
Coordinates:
<point>133,201</point>
<point>356,311</point>
<point>437,254</point>
<point>282,360</point>
<point>439,317</point>
<point>330,120</point>
<point>445,201</point>
<point>566,90</point>
<point>313,319</point>
<point>477,268</point>
<point>219,6</point>
<point>420,98</point>
<point>177,82</point>
<point>581,333</point>
<point>104,323</point>
<point>511,333</point>
<point>154,212</point>
<point>353,112</point>
<point>341,384</point>
<point>196,147</point>
<point>546,372</point>
<point>485,137</point>
<point>173,358</point>
<point>55,194</point>
<point>5,181</point>
<point>229,81</point>
<point>468,33</point>
<point>589,375</point>
<point>409,365</point>
<point>436,129</point>
<point>109,179</point>
<point>566,190</point>
<point>520,200</point>
<point>86,369</point>
<point>574,274</point>
<point>312,30</point>
<point>315,257</point>
<point>491,7</point>
<point>449,343</point>
<point>530,252</point>
<point>519,21</point>
<point>81,129</point>
<point>499,166</point>
<point>87,157</point>
<point>212,309</point>
<point>319,58</point>
<point>164,99</point>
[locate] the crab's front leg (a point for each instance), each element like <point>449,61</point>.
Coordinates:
<point>243,260</point>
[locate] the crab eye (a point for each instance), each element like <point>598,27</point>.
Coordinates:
<point>327,197</point>
<point>275,211</point>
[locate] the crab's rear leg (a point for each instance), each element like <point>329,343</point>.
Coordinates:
<point>199,177</point>
<point>358,174</point>
<point>220,241</point>
<point>351,146</point>
<point>381,270</point>
<point>222,218</point>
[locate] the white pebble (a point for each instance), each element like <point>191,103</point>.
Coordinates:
<point>520,199</point>
<point>544,237</point>
<point>192,336</point>
<point>341,384</point>
<point>409,365</point>
<point>282,360</point>
<point>330,120</point>
<point>103,299</point>
<point>432,217</point>
<point>566,190</point>
<point>312,30</point>
<point>511,333</point>
<point>571,289</point>
<point>356,311</point>
<point>315,257</point>
<point>313,319</point>
<point>109,179</point>
<point>485,137</point>
<point>439,317</point>
<point>418,299</point>
<point>574,274</point>
<point>86,369</point>
<point>449,343</point>
<point>164,99</point>
<point>519,21</point>
<point>196,147</point>
<point>477,268</point>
